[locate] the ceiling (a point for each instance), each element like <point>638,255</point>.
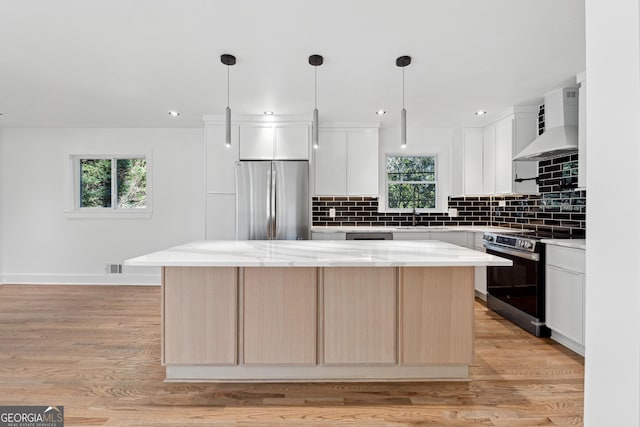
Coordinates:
<point>119,63</point>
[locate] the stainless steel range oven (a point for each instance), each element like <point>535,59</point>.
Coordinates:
<point>517,292</point>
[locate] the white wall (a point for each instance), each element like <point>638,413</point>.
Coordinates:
<point>420,141</point>
<point>44,246</point>
<point>612,364</point>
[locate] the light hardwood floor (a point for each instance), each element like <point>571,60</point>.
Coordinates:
<point>96,350</point>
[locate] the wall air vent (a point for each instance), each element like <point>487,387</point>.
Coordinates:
<point>113,268</point>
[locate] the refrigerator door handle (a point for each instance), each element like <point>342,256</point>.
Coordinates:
<point>274,201</point>
<point>269,197</point>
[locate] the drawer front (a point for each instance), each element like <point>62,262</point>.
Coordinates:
<point>567,258</point>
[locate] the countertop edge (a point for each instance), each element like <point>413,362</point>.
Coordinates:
<point>567,243</point>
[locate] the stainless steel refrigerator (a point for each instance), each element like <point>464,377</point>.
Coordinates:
<point>272,200</point>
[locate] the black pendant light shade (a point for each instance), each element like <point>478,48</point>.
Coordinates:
<point>315,61</point>
<point>227,60</point>
<point>402,62</point>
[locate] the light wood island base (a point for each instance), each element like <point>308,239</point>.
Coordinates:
<point>273,324</point>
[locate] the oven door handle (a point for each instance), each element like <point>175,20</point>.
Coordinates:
<point>513,252</point>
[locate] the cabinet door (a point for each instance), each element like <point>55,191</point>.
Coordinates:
<point>220,217</point>
<point>291,143</point>
<point>221,160</point>
<point>459,238</point>
<point>473,154</point>
<point>319,235</point>
<point>200,315</point>
<point>489,160</point>
<point>279,315</point>
<point>362,163</point>
<point>565,302</point>
<point>504,156</point>
<point>411,235</point>
<point>436,319</point>
<point>359,315</point>
<point>256,142</point>
<point>331,164</point>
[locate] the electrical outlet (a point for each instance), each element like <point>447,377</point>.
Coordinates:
<point>502,203</point>
<point>332,212</point>
<point>453,212</point>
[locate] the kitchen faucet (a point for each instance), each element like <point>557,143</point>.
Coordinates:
<point>413,217</point>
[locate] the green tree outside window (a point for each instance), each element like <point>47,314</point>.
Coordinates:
<point>411,182</point>
<point>97,177</point>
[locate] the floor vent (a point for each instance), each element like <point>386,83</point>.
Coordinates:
<point>113,268</point>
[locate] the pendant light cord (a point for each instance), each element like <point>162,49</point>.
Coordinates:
<point>403,88</point>
<point>228,86</point>
<point>315,87</point>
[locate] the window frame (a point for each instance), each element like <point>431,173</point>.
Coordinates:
<point>436,208</point>
<point>74,210</point>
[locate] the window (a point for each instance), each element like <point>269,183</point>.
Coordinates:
<point>113,183</point>
<point>411,182</point>
<point>110,185</point>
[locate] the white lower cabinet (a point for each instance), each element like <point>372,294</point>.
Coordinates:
<point>410,235</point>
<point>480,278</point>
<point>565,296</point>
<point>322,235</point>
<point>459,238</point>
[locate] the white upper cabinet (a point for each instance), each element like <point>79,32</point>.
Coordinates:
<point>256,142</point>
<point>362,163</point>
<point>346,162</point>
<point>274,142</point>
<point>220,160</point>
<point>485,157</point>
<point>473,162</point>
<point>503,156</point>
<point>330,163</point>
<point>291,143</point>
<point>489,160</point>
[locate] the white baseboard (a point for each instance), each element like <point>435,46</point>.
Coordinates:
<point>481,296</point>
<point>82,279</point>
<point>567,342</point>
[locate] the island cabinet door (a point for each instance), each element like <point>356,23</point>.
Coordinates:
<point>436,315</point>
<point>279,315</point>
<point>359,315</point>
<point>200,312</point>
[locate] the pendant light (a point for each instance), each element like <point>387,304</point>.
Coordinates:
<point>315,61</point>
<point>227,60</point>
<point>402,62</point>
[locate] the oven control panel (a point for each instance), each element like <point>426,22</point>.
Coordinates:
<point>513,242</point>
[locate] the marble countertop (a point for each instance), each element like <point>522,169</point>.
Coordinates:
<point>317,253</point>
<point>417,228</point>
<point>567,243</point>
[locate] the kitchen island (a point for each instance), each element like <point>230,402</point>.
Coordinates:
<point>269,311</point>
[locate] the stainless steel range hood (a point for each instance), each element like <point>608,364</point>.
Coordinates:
<point>561,127</point>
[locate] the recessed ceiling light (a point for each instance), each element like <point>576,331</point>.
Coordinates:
<point>174,113</point>
<point>268,113</point>
<point>480,113</point>
<point>381,112</point>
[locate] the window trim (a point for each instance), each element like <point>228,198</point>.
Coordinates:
<point>73,209</point>
<point>436,208</point>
